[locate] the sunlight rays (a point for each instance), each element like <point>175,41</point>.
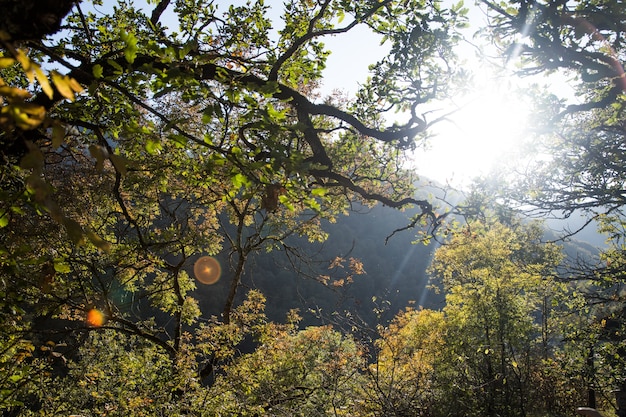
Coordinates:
<point>481,133</point>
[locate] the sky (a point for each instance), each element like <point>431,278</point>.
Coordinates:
<point>486,127</point>
<point>481,134</point>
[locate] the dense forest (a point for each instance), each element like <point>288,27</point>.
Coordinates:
<point>190,225</point>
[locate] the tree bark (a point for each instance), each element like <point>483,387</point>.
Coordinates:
<point>33,19</point>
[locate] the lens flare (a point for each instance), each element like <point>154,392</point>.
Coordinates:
<point>207,270</point>
<point>95,318</point>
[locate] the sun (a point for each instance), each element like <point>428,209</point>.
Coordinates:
<point>482,132</point>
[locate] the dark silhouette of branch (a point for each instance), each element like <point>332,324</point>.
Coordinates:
<point>158,11</point>
<point>33,19</point>
<point>403,135</point>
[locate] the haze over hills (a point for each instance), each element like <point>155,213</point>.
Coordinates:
<point>395,272</point>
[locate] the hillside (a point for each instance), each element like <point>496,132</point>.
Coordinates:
<point>395,273</point>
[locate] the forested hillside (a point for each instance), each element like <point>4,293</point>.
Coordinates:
<point>393,272</point>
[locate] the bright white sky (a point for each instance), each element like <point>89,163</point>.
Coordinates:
<point>481,134</point>
<point>484,131</point>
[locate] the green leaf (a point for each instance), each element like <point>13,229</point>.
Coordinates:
<point>61,266</point>
<point>284,200</point>
<point>313,204</point>
<point>250,101</point>
<point>239,180</point>
<point>4,220</point>
<point>269,89</point>
<point>340,16</point>
<point>180,141</point>
<point>130,51</point>
<point>97,71</point>
<point>320,192</point>
<point>275,115</point>
<point>15,378</point>
<point>153,146</point>
<point>118,67</point>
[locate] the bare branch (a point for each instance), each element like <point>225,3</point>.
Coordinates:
<point>158,11</point>
<point>311,34</point>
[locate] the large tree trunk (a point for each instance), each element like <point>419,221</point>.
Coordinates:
<point>33,19</point>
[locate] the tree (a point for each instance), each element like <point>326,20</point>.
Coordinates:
<point>403,380</point>
<point>315,371</point>
<point>216,70</point>
<point>496,315</point>
<point>129,149</point>
<point>585,142</point>
<point>103,379</point>
<point>584,39</point>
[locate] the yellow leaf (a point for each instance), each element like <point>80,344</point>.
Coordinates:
<point>33,71</point>
<point>26,64</point>
<point>14,92</point>
<point>43,81</point>
<point>23,60</point>
<point>34,159</point>
<point>62,85</point>
<point>74,230</point>
<point>53,208</point>
<point>6,62</point>
<point>99,153</point>
<point>27,115</point>
<point>67,86</point>
<point>120,163</point>
<point>32,109</point>
<point>75,85</point>
<point>98,241</point>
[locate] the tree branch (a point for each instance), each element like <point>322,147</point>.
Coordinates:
<point>158,11</point>
<point>311,34</point>
<point>305,108</point>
